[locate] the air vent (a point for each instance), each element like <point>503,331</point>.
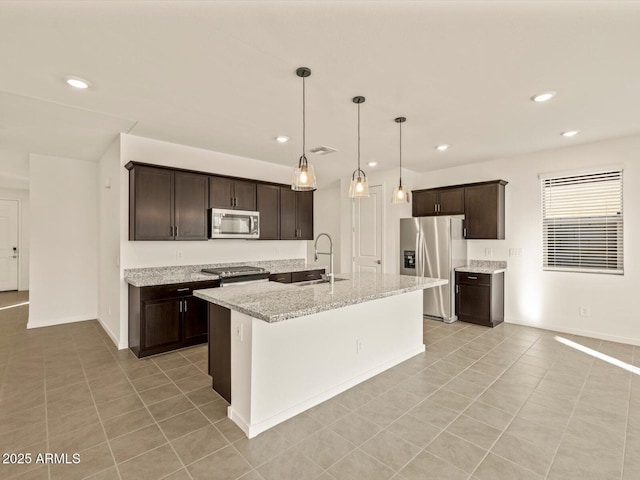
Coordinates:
<point>323,150</point>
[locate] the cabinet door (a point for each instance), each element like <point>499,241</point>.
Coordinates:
<point>191,201</point>
<point>451,201</point>
<point>161,323</point>
<point>245,195</point>
<point>150,204</point>
<point>220,192</point>
<point>484,211</point>
<point>288,228</point>
<point>304,215</point>
<point>268,204</point>
<point>424,203</point>
<point>194,320</point>
<point>474,303</point>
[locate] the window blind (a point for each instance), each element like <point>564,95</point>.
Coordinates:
<point>582,222</point>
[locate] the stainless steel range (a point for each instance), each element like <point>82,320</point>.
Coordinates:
<point>238,274</point>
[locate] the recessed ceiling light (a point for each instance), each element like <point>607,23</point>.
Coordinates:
<point>372,164</point>
<point>282,139</point>
<point>77,82</point>
<point>544,96</point>
<point>570,133</point>
<point>442,148</point>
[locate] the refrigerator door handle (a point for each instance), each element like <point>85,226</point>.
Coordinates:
<point>417,250</point>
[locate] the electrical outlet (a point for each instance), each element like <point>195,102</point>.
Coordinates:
<point>359,346</point>
<point>516,252</point>
<point>488,252</point>
<point>178,254</point>
<point>240,332</point>
<point>585,311</point>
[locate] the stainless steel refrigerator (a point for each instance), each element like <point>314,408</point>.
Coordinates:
<point>433,247</point>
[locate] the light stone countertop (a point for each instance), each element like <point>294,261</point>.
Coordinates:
<point>488,267</point>
<point>153,276</point>
<point>275,302</point>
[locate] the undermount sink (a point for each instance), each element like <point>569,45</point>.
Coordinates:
<point>317,282</point>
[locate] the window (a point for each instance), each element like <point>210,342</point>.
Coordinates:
<point>582,222</point>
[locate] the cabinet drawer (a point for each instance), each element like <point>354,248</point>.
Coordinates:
<point>280,277</point>
<point>473,278</point>
<point>175,289</point>
<point>307,275</point>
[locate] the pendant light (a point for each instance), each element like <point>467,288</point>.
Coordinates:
<point>304,178</point>
<point>359,185</point>
<point>400,195</point>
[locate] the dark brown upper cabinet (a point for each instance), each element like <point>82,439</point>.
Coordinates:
<point>296,214</point>
<point>484,211</point>
<point>438,201</point>
<point>232,193</point>
<point>481,203</point>
<point>268,204</point>
<point>166,205</point>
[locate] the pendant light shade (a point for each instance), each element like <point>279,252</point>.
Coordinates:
<point>359,186</point>
<point>304,177</point>
<point>400,195</point>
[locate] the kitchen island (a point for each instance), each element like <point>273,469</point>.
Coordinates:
<point>291,347</point>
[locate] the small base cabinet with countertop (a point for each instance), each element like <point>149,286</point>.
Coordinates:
<point>480,298</point>
<point>167,317</point>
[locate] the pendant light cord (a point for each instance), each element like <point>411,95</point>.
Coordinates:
<point>400,154</point>
<point>358,139</point>
<point>304,126</point>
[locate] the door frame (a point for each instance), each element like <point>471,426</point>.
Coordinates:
<point>383,214</point>
<point>19,231</point>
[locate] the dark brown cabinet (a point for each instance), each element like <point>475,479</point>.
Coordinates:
<point>166,205</point>
<point>438,201</point>
<point>167,317</point>
<point>480,298</point>
<point>481,203</point>
<point>296,215</point>
<point>268,204</point>
<point>484,211</point>
<point>220,350</point>
<point>232,193</point>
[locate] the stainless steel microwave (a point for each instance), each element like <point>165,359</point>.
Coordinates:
<point>233,224</point>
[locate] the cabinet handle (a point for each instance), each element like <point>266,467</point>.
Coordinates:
<point>185,306</point>
<point>183,289</point>
<point>457,289</point>
<point>464,232</point>
<point>435,208</point>
<point>171,229</point>
<point>176,231</point>
<point>439,208</point>
<point>472,278</point>
<point>180,306</point>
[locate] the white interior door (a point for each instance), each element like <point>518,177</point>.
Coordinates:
<point>8,245</point>
<point>367,232</point>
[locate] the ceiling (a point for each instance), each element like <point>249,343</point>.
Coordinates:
<point>220,75</point>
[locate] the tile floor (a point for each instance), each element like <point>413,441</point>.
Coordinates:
<point>482,404</point>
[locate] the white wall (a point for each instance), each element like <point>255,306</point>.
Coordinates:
<point>151,254</point>
<point>551,299</point>
<point>22,196</point>
<point>327,203</point>
<point>64,240</point>
<point>109,241</point>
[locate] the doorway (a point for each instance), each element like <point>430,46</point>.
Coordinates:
<point>8,245</point>
<point>367,231</point>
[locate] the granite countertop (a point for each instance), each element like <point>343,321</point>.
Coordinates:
<point>483,266</point>
<point>153,276</point>
<point>274,302</point>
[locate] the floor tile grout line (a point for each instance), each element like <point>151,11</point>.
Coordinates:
<point>95,405</point>
<point>154,420</point>
<point>566,428</point>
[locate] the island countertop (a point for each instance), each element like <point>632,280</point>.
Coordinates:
<point>275,302</point>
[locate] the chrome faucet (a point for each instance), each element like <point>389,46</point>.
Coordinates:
<point>330,253</point>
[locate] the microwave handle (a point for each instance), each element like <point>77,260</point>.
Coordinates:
<point>251,223</point>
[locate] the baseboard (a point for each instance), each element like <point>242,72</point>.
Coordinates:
<point>575,331</point>
<point>251,430</point>
<point>113,338</point>
<point>59,321</point>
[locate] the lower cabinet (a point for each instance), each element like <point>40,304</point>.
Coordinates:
<point>294,277</point>
<point>220,350</point>
<point>480,298</point>
<point>167,317</point>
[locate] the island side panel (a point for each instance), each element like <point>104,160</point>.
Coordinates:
<point>220,350</point>
<point>296,364</point>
